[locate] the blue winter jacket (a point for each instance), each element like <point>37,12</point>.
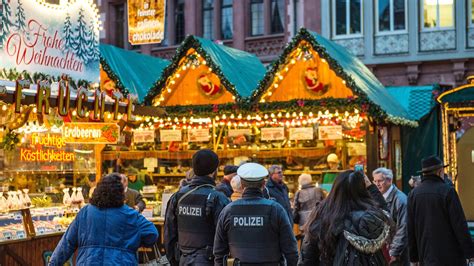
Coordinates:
<point>109,236</point>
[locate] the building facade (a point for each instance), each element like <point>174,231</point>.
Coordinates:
<point>404,42</point>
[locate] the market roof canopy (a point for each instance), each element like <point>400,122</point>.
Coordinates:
<point>130,72</point>
<point>203,72</point>
<point>417,100</point>
<point>342,68</point>
<point>461,94</point>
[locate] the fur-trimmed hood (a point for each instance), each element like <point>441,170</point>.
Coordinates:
<point>367,231</point>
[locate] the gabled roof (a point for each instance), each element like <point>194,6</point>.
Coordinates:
<point>348,67</point>
<point>416,100</point>
<point>132,72</point>
<point>464,93</point>
<point>238,71</point>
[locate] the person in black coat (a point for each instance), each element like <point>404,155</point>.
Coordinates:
<point>437,228</point>
<point>229,172</point>
<point>349,227</point>
<point>276,189</point>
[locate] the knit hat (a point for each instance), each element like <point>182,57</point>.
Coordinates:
<point>205,162</point>
<point>230,169</point>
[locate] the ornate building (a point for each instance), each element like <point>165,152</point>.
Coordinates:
<point>403,42</point>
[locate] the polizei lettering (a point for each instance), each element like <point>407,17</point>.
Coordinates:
<point>190,211</point>
<point>248,221</point>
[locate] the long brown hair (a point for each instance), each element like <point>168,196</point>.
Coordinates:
<point>325,222</point>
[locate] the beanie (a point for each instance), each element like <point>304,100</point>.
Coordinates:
<point>230,169</point>
<point>205,162</point>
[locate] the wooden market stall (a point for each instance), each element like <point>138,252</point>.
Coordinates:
<point>315,100</point>
<point>457,112</point>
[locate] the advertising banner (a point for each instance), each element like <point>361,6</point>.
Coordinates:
<point>146,21</point>
<point>37,37</point>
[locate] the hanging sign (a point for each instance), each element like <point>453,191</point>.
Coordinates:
<point>329,132</point>
<point>90,133</point>
<point>301,133</point>
<point>38,37</point>
<point>146,21</point>
<point>170,135</point>
<point>141,136</point>
<point>239,132</point>
<point>198,135</point>
<point>272,133</point>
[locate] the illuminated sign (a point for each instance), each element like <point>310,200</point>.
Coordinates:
<point>47,155</point>
<point>91,133</point>
<point>146,21</point>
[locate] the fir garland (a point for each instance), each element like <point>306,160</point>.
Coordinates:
<point>188,43</point>
<point>13,74</point>
<point>10,140</point>
<point>111,74</point>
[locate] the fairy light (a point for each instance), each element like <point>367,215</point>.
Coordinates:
<point>4,107</point>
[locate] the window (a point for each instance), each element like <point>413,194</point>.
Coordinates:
<point>391,15</point>
<point>120,25</point>
<point>278,16</point>
<point>207,19</point>
<point>179,21</point>
<point>256,15</point>
<point>438,14</point>
<point>347,16</point>
<point>472,12</point>
<point>227,23</point>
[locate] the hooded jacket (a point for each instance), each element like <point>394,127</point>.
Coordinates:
<point>109,236</point>
<point>360,238</point>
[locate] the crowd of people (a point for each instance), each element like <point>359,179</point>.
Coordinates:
<point>248,220</point>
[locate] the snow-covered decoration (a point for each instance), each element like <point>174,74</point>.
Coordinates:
<point>52,39</point>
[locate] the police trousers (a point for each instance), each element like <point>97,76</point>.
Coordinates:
<point>197,258</point>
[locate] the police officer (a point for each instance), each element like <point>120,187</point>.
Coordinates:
<point>254,230</point>
<point>192,213</point>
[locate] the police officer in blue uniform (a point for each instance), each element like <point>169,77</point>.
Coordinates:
<point>192,214</point>
<point>254,230</point>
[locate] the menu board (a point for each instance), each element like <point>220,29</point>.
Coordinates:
<point>329,132</point>
<point>143,136</point>
<point>198,135</point>
<point>170,135</point>
<point>301,133</point>
<point>273,133</point>
<point>239,132</point>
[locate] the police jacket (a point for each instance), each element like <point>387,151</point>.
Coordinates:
<point>191,218</point>
<point>256,231</point>
<point>278,192</point>
<point>437,228</point>
<point>397,205</point>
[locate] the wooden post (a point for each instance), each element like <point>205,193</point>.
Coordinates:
<point>98,160</point>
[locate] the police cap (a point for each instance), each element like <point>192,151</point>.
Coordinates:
<point>252,172</point>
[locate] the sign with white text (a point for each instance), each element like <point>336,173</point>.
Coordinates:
<point>38,37</point>
<point>146,21</point>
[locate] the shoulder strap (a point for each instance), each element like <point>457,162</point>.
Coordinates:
<point>192,190</point>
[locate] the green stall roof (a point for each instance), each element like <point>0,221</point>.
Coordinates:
<point>416,100</point>
<point>358,77</point>
<point>132,72</point>
<point>239,71</point>
<point>461,94</point>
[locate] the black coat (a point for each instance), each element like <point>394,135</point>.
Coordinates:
<point>437,228</point>
<point>279,193</point>
<point>225,188</point>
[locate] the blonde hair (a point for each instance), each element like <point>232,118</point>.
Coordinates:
<point>304,179</point>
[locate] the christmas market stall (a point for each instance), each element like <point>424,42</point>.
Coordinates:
<point>55,119</point>
<point>324,111</point>
<point>204,83</point>
<point>457,113</point>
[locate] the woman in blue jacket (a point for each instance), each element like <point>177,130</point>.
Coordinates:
<point>106,232</point>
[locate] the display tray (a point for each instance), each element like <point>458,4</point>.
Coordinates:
<point>51,220</point>
<point>12,227</point>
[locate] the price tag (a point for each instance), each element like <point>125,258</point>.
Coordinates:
<point>58,228</point>
<point>17,217</point>
<point>11,215</point>
<point>7,235</point>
